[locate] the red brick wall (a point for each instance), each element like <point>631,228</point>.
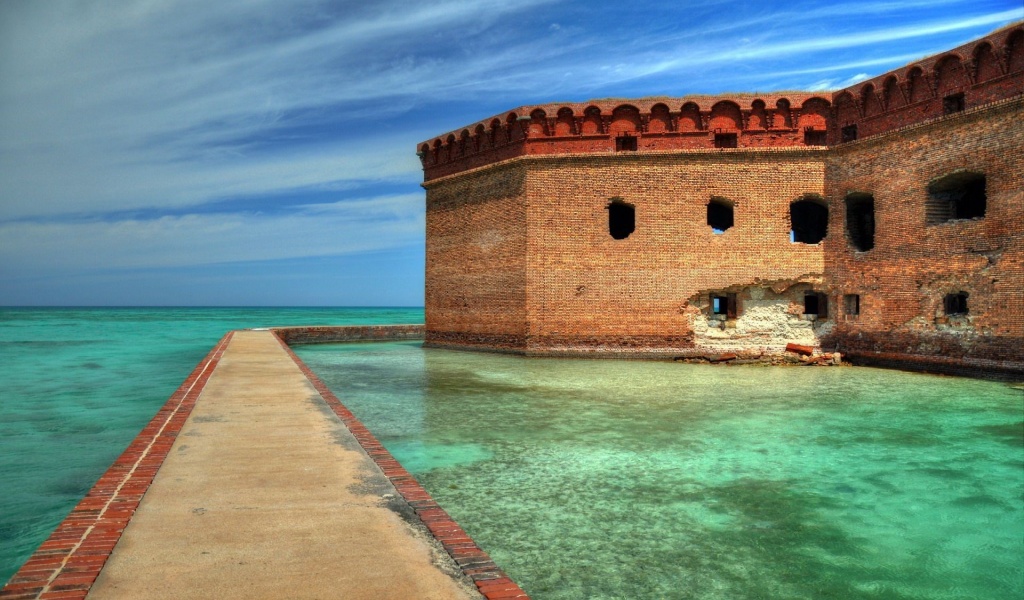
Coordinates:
<point>519,256</point>
<point>588,290</point>
<point>475,259</point>
<point>328,334</point>
<point>903,279</point>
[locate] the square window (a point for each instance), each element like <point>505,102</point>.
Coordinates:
<point>848,133</point>
<point>625,143</point>
<point>725,140</point>
<point>955,304</point>
<point>724,305</point>
<point>851,305</point>
<point>953,104</point>
<point>814,138</point>
<point>816,304</point>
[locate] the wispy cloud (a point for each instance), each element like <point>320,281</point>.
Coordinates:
<point>164,104</point>
<point>177,108</point>
<point>800,36</point>
<point>200,239</point>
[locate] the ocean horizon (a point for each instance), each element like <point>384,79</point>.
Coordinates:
<point>82,381</point>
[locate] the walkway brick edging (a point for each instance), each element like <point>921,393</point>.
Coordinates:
<point>65,566</point>
<point>476,564</point>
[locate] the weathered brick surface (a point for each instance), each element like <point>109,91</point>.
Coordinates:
<point>476,259</point>
<point>519,255</point>
<point>587,289</point>
<point>902,281</point>
<point>984,71</point>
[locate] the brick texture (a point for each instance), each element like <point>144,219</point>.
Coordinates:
<point>520,256</point>
<point>902,281</point>
<point>476,260</point>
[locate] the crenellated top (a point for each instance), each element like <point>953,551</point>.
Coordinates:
<point>983,71</point>
<point>972,75</point>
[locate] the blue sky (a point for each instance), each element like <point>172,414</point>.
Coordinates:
<point>262,152</point>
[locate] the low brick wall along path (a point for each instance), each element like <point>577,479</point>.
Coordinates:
<point>255,482</point>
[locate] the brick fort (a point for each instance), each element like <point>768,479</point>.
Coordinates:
<point>884,221</point>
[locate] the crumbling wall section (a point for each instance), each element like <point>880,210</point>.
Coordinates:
<point>768,316</point>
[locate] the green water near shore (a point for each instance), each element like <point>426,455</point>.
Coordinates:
<point>608,479</point>
<point>79,384</point>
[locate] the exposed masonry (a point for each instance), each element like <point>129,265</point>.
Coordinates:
<point>665,226</point>
<point>760,318</point>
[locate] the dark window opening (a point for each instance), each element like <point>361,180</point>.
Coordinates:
<point>720,215</point>
<point>816,303</point>
<point>725,305</point>
<point>621,219</point>
<point>955,304</point>
<point>625,143</point>
<point>814,138</point>
<point>860,221</point>
<point>725,140</point>
<point>848,133</point>
<point>953,104</point>
<point>809,220</point>
<point>851,305</point>
<point>956,196</point>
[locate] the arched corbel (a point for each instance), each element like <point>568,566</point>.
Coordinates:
<point>523,122</point>
<point>971,68</point>
<point>794,114</point>
<point>931,83</point>
<point>1003,58</point>
<point>904,88</point>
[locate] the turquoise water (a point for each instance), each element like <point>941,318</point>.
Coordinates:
<point>79,384</point>
<point>604,479</point>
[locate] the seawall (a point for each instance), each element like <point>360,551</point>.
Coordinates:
<point>255,481</point>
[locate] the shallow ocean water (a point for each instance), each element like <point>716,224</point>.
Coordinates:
<point>79,385</point>
<point>623,479</point>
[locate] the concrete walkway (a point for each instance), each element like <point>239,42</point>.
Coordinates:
<point>266,494</point>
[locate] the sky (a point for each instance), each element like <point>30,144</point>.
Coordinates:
<point>262,152</point>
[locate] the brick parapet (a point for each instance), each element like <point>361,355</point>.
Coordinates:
<point>353,333</point>
<point>775,120</point>
<point>983,71</point>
